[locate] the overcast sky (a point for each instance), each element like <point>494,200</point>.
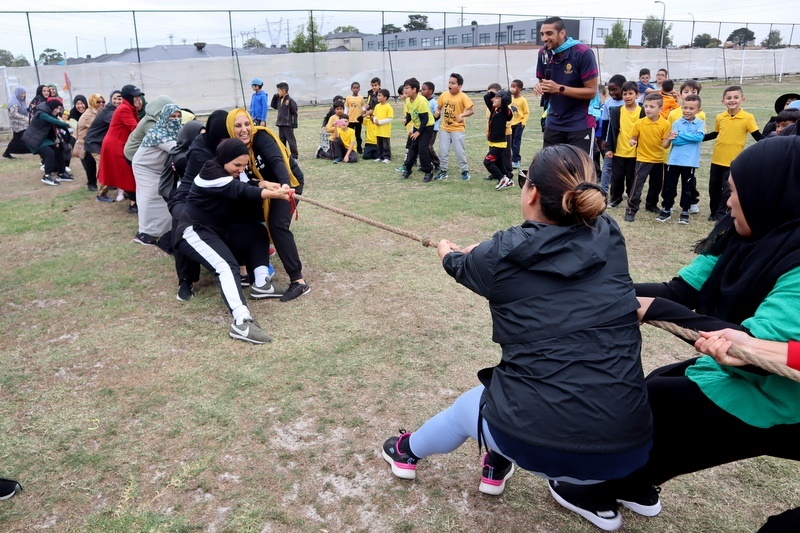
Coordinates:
<point>96,33</point>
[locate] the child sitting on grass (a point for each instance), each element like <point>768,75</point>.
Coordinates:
<point>343,141</point>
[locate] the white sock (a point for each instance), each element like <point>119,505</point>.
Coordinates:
<point>261,275</point>
<point>240,314</point>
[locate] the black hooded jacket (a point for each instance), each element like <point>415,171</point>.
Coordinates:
<point>564,312</point>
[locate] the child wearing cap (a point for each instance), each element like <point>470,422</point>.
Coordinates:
<point>258,102</point>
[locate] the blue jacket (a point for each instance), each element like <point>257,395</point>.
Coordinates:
<point>258,106</point>
<point>686,146</point>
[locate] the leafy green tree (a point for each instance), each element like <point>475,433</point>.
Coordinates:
<point>345,29</point>
<point>390,28</point>
<point>417,22</point>
<point>705,40</point>
<point>7,59</point>
<point>618,37</point>
<point>252,42</point>
<point>651,33</point>
<point>773,40</point>
<point>308,39</point>
<point>50,56</point>
<point>741,36</point>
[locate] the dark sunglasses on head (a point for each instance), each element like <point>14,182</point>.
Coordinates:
<point>101,101</point>
<point>522,178</point>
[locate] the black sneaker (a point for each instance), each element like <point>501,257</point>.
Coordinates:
<point>47,179</point>
<point>629,216</point>
<point>405,175</point>
<point>493,481</point>
<point>65,176</point>
<point>652,209</point>
<point>712,218</point>
<point>684,218</point>
<point>295,290</point>
<point>403,465</point>
<point>185,291</point>
<point>427,178</point>
<point>133,209</point>
<point>615,203</point>
<point>8,487</point>
<point>244,280</point>
<point>645,503</point>
<point>664,215</point>
<point>91,187</point>
<point>249,331</point>
<point>597,508</point>
<point>144,238</point>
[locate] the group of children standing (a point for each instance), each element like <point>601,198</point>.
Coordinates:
<point>649,137</point>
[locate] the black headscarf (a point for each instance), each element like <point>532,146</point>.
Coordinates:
<point>37,99</point>
<point>111,97</point>
<point>216,129</point>
<point>767,180</point>
<point>74,113</point>
<point>188,133</point>
<point>228,150</point>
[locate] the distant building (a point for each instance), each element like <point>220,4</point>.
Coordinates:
<point>520,33</point>
<point>345,41</point>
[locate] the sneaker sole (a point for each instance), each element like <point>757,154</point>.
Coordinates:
<point>49,182</point>
<point>644,510</point>
<point>606,524</point>
<point>298,296</point>
<point>246,339</point>
<point>261,296</point>
<point>403,472</point>
<point>494,487</point>
<point>178,297</point>
<point>143,243</point>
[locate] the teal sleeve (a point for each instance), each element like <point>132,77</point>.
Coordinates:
<point>778,316</point>
<point>53,120</point>
<point>696,273</point>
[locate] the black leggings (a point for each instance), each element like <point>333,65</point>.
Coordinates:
<point>53,157</point>
<point>90,166</point>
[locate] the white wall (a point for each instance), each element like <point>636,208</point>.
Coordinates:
<point>206,84</point>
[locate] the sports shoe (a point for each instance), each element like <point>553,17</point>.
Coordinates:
<point>664,215</point>
<point>267,290</point>
<point>120,195</point>
<point>103,199</point>
<point>378,160</point>
<point>270,268</point>
<point>387,161</point>
<point>516,164</point>
<point>65,176</point>
<point>133,209</point>
<point>244,280</point>
<point>91,187</point>
<point>629,216</point>
<point>684,218</point>
<point>271,253</point>
<point>646,503</point>
<point>47,179</point>
<point>403,465</point>
<point>295,290</point>
<point>401,168</point>
<point>144,238</point>
<point>465,176</point>
<point>249,331</point>
<point>599,509</point>
<point>427,178</point>
<point>8,156</point>
<point>441,175</point>
<point>405,175</point>
<point>185,291</point>
<point>488,178</point>
<point>337,160</point>
<point>8,487</point>
<point>505,183</point>
<point>493,481</point>
<point>652,209</point>
<point>694,209</point>
<point>712,218</point>
<point>615,203</point>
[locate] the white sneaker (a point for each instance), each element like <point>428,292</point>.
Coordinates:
<point>504,183</point>
<point>694,209</point>
<point>120,195</point>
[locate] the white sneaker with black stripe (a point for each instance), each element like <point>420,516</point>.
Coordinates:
<point>598,508</point>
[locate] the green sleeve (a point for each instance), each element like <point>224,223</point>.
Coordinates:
<point>778,316</point>
<point>696,273</point>
<point>53,120</point>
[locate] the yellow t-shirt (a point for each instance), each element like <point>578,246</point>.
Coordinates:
<point>733,132</point>
<point>519,105</point>
<point>353,106</point>
<point>369,131</point>
<point>419,107</point>
<point>650,133</point>
<point>626,121</point>
<point>452,105</point>
<point>348,137</point>
<point>382,112</point>
<point>329,127</point>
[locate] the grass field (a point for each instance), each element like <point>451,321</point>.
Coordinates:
<point>124,409</point>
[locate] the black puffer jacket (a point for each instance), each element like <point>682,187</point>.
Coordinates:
<point>97,131</point>
<point>564,312</point>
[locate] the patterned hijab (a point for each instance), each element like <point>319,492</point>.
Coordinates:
<point>165,130</point>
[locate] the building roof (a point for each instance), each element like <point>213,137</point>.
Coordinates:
<point>173,52</point>
<point>349,35</point>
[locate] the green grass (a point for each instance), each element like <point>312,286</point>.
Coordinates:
<point>126,410</point>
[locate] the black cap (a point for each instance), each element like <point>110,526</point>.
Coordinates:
<point>131,91</point>
<point>780,103</point>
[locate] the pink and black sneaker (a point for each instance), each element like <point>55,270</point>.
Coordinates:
<point>493,480</point>
<point>403,465</point>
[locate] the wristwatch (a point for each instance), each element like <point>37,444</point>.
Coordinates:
<point>561,89</point>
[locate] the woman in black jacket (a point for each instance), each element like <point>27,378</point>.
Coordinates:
<point>567,400</point>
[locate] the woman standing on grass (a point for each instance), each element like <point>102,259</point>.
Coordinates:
<point>18,115</point>
<point>97,133</point>
<point>270,161</point>
<point>567,400</point>
<point>96,103</point>
<point>204,232</point>
<point>710,411</point>
<point>115,170</point>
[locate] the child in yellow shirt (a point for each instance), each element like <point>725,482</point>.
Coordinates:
<point>648,137</point>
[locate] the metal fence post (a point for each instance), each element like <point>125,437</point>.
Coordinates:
<point>136,35</point>
<point>33,50</point>
<point>230,29</point>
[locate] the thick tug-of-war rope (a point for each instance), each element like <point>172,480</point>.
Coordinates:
<point>735,351</point>
<point>426,241</point>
